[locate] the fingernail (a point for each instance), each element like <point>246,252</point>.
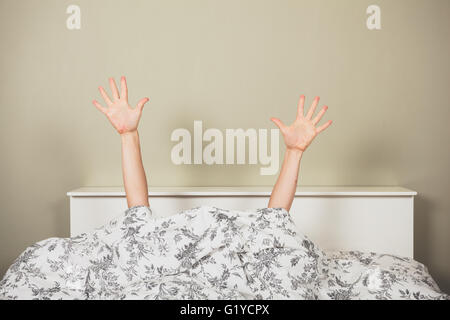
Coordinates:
<point>326,107</point>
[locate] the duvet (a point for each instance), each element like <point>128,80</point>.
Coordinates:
<point>208,253</point>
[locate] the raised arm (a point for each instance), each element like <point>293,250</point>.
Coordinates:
<point>125,120</point>
<point>297,138</point>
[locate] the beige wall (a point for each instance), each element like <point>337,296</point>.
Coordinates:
<point>231,64</point>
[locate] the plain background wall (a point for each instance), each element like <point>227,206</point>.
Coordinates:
<point>231,64</point>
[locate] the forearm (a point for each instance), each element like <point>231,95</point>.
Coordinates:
<point>284,190</point>
<point>134,178</point>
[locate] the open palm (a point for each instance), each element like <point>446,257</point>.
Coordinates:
<point>302,132</point>
<point>123,118</point>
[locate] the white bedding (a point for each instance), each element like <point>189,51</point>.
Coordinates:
<point>208,253</point>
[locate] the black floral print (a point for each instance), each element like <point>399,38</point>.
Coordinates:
<point>208,253</point>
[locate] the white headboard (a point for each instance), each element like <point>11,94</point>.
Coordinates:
<point>377,219</point>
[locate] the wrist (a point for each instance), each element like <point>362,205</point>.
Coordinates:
<point>294,153</point>
<point>129,135</point>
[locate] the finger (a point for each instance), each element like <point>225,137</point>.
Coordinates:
<point>99,106</point>
<point>141,104</point>
<point>312,109</point>
<point>320,115</point>
<point>278,123</point>
<point>324,126</point>
<point>300,106</point>
<point>105,96</point>
<point>114,90</point>
<point>123,88</point>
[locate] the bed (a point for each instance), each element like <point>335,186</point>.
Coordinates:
<point>208,252</point>
<point>377,219</point>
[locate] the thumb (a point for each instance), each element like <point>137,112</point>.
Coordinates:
<point>141,104</point>
<point>278,123</point>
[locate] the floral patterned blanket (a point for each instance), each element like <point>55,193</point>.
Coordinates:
<point>208,253</point>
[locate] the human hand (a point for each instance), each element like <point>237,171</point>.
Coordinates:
<point>302,132</point>
<point>123,118</point>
